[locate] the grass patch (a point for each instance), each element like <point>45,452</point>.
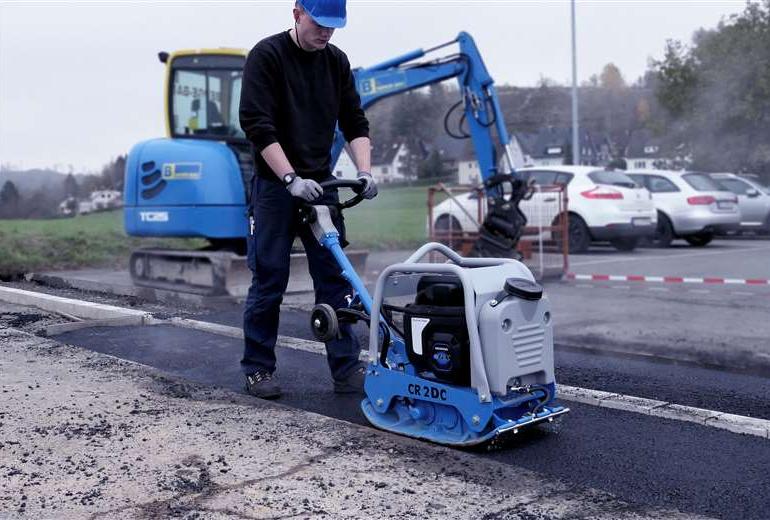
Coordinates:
<point>94,240</point>
<point>395,219</point>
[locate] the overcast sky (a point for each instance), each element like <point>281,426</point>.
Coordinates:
<point>80,81</point>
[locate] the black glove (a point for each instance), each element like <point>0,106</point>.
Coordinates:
<point>370,187</point>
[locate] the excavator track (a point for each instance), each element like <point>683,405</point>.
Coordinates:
<point>206,273</point>
<point>214,273</point>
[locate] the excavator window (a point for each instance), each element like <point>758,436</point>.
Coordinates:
<point>204,99</point>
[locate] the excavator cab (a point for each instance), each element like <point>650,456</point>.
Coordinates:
<point>204,89</point>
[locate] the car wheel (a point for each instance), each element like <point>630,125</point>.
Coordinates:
<point>579,236</point>
<point>445,225</point>
<point>624,244</point>
<point>699,240</point>
<point>664,233</point>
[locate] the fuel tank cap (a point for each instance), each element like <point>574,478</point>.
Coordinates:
<point>524,289</point>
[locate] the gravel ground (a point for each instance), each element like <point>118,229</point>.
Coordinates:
<point>86,435</point>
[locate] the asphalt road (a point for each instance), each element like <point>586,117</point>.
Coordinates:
<point>733,258</point>
<point>644,460</point>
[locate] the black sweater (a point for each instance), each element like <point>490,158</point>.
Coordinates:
<point>296,98</point>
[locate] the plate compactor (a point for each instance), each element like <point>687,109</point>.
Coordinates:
<point>465,360</point>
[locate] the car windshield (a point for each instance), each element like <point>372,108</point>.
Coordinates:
<point>702,182</point>
<point>613,178</point>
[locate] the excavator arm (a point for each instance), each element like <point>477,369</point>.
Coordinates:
<point>504,223</point>
<point>479,99</point>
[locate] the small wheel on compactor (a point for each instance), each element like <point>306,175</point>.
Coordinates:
<point>324,322</point>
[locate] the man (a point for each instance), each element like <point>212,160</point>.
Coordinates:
<point>296,88</point>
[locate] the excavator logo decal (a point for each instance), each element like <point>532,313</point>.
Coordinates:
<point>156,179</point>
<point>182,171</point>
<point>382,84</point>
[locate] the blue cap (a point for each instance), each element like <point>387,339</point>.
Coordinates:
<point>326,13</point>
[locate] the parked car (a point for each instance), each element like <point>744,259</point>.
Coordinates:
<point>753,201</point>
<point>690,205</point>
<point>604,206</point>
<point>763,184</point>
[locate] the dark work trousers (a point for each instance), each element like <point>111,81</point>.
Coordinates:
<point>276,224</point>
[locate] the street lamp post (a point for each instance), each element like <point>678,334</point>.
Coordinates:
<point>575,130</point>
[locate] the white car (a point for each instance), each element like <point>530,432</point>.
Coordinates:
<point>753,201</point>
<point>604,206</point>
<point>690,205</point>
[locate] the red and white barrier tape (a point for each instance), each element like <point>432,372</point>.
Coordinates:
<point>666,279</point>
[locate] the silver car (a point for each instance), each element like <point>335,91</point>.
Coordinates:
<point>690,205</point>
<point>753,201</point>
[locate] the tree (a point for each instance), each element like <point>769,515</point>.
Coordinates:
<point>412,122</point>
<point>676,79</point>
<point>611,78</point>
<point>70,186</point>
<point>10,200</point>
<point>41,204</point>
<point>716,93</point>
<point>433,167</point>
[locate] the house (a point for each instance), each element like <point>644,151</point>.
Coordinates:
<point>389,163</point>
<point>105,199</point>
<point>458,158</point>
<point>552,146</point>
<point>97,201</point>
<point>345,167</point>
<point>646,151</point>
<point>68,207</point>
<point>461,161</point>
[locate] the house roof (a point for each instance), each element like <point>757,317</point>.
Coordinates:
<point>453,149</point>
<point>555,141</point>
<point>642,143</point>
<point>385,154</point>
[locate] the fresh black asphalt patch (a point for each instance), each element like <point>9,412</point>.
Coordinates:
<point>644,460</point>
<point>664,380</point>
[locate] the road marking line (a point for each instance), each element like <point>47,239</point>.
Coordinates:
<point>663,409</point>
<point>665,279</point>
<point>733,423</point>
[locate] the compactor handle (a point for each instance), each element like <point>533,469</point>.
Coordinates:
<point>356,185</point>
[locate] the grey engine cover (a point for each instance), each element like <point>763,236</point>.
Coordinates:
<point>516,334</point>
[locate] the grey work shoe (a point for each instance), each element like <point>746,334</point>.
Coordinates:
<point>353,383</point>
<point>260,384</point>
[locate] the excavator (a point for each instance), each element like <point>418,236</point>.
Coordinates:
<point>194,182</point>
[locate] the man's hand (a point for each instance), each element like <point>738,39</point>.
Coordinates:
<point>370,187</point>
<point>305,189</point>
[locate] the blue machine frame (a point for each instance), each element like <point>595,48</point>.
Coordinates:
<point>397,399</point>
